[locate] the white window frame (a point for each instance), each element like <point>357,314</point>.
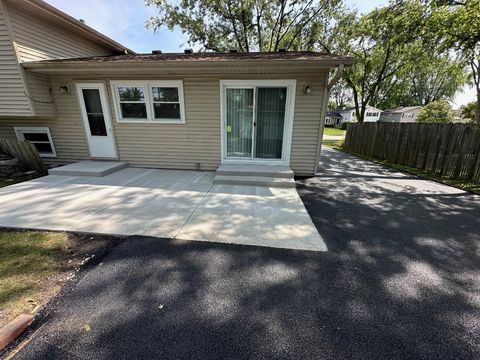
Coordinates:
<point>173,83</point>
<point>408,115</point>
<point>149,103</point>
<point>328,120</point>
<point>20,130</point>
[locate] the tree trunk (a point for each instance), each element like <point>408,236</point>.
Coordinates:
<point>477,108</point>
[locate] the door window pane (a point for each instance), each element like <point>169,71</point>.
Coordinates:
<point>93,106</point>
<point>239,122</point>
<point>270,120</point>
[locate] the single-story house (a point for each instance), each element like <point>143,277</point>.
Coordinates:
<point>333,118</point>
<point>372,114</point>
<point>336,118</point>
<point>77,94</point>
<point>402,114</point>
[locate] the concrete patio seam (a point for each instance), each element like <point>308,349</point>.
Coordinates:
<point>191,214</point>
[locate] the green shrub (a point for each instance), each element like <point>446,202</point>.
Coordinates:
<point>345,124</point>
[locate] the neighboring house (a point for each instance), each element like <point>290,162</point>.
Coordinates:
<point>76,95</point>
<point>372,114</point>
<point>403,114</point>
<point>333,118</point>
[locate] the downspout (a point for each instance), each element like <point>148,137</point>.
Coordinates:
<point>326,95</point>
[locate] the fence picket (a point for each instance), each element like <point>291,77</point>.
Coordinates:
<point>451,150</point>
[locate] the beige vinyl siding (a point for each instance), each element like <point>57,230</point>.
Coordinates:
<point>179,146</point>
<point>306,125</point>
<point>12,97</point>
<point>39,89</point>
<point>67,130</point>
<point>199,140</point>
<point>38,40</point>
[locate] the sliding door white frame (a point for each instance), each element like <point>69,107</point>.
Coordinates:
<point>288,123</point>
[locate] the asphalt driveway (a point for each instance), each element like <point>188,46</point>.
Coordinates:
<point>401,280</point>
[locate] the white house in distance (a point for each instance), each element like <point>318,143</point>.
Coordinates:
<point>336,118</point>
<point>403,114</point>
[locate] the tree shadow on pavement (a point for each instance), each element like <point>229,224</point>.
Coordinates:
<point>400,280</point>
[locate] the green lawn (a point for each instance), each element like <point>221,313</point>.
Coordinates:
<point>333,143</point>
<point>334,131</point>
<point>28,262</point>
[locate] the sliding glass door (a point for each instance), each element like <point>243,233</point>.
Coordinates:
<point>255,122</point>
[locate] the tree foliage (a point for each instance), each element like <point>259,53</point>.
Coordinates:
<point>248,25</point>
<point>384,42</point>
<point>436,111</point>
<point>468,111</point>
<point>429,78</point>
<point>455,26</point>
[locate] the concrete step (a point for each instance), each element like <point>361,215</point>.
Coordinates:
<point>254,181</point>
<point>276,171</point>
<point>89,168</point>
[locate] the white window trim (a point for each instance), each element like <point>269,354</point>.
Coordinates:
<point>19,130</point>
<point>148,85</point>
<point>288,126</point>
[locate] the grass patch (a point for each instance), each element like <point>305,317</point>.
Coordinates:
<point>333,131</point>
<point>27,260</point>
<point>35,264</point>
<point>459,184</point>
<point>5,182</point>
<point>333,143</point>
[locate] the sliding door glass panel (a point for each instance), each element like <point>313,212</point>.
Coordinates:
<point>239,111</point>
<point>270,120</point>
<point>93,107</point>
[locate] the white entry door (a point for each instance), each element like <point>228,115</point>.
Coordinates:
<point>97,120</point>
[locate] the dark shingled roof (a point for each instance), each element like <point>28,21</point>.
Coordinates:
<point>206,56</point>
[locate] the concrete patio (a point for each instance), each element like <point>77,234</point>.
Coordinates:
<point>162,203</point>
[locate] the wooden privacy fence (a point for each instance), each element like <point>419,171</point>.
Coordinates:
<point>450,150</point>
<point>25,152</point>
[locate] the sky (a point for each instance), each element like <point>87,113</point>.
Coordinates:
<point>124,21</point>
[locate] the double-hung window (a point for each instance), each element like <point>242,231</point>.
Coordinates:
<point>40,137</point>
<point>149,101</point>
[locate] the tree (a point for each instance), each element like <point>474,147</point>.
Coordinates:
<point>340,95</point>
<point>436,111</point>
<point>468,111</point>
<point>384,42</point>
<point>249,25</point>
<point>455,25</point>
<point>430,78</point>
